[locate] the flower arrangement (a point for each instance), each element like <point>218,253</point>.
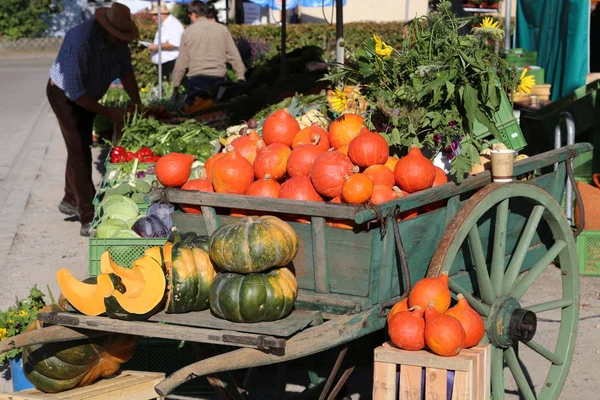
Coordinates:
<point>430,92</point>
<point>17,318</point>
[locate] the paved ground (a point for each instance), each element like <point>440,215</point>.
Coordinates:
<point>36,240</point>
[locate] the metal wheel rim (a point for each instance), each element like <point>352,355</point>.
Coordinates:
<point>457,233</point>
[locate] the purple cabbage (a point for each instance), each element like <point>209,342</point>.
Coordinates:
<point>163,212</point>
<point>150,227</point>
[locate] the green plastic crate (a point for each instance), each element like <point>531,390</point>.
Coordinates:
<point>520,57</point>
<point>507,124</point>
<point>583,165</point>
<point>588,250</point>
<point>122,251</point>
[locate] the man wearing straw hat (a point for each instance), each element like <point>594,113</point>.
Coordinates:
<point>170,32</point>
<point>93,55</point>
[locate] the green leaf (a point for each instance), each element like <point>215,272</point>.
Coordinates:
<point>470,103</point>
<point>450,89</point>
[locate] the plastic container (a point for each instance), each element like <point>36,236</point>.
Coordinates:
<point>19,380</point>
<point>588,250</point>
<point>122,251</point>
<point>510,131</point>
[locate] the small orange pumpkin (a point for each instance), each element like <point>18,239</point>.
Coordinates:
<point>444,335</point>
<point>402,305</point>
<point>312,134</point>
<point>391,162</point>
<point>299,188</point>
<point>173,169</point>
<point>343,150</point>
<point>232,173</point>
<point>470,320</point>
<point>329,173</point>
<point>272,160</point>
<point>208,166</point>
<point>429,290</point>
<point>335,222</point>
<point>247,145</point>
<point>302,158</point>
<point>368,148</point>
<point>440,179</point>
<point>380,175</point>
<point>265,187</point>
<point>357,189</point>
<point>344,128</point>
<point>414,172</point>
<point>204,185</point>
<point>407,329</point>
<point>383,193</point>
<point>280,127</point>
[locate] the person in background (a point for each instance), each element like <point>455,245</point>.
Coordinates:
<point>93,55</point>
<point>171,31</point>
<point>211,14</point>
<point>206,48</point>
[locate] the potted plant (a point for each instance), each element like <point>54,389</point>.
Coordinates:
<point>13,322</point>
<point>430,92</point>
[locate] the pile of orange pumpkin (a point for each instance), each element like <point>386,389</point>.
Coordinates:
<point>424,319</point>
<point>345,164</point>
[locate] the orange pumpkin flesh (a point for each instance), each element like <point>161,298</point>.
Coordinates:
<point>232,174</point>
<point>280,127</point>
<point>329,173</point>
<point>429,290</point>
<point>402,305</point>
<point>407,329</point>
<point>470,320</point>
<point>444,335</point>
<point>380,175</point>
<point>343,129</point>
<point>414,172</point>
<point>265,187</point>
<point>173,169</point>
<point>312,134</point>
<point>357,189</point>
<point>86,298</point>
<point>272,160</point>
<point>302,158</point>
<point>368,148</point>
<point>204,185</point>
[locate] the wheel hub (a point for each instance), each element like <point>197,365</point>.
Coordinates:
<point>508,323</point>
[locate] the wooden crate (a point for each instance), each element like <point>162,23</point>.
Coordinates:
<point>128,385</point>
<point>471,374</point>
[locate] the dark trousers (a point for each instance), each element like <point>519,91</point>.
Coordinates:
<point>76,125</point>
<point>167,69</point>
<point>199,83</point>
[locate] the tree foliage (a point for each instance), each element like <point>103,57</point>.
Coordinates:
<point>26,18</point>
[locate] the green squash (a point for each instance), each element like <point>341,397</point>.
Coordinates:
<point>190,274</point>
<point>254,297</point>
<point>57,367</point>
<point>253,244</point>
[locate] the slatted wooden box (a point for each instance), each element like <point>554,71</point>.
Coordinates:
<point>398,374</point>
<point>128,385</point>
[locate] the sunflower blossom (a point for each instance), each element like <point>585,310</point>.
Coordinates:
<point>337,101</point>
<point>383,50</point>
<point>526,83</point>
<point>489,29</point>
<point>488,22</point>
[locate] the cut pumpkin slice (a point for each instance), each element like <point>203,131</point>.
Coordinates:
<point>156,253</point>
<point>145,303</point>
<point>88,298</point>
<point>133,283</point>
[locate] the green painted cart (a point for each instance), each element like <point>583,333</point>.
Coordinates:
<point>503,245</point>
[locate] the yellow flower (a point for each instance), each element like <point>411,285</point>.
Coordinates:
<point>489,23</point>
<point>3,332</point>
<point>383,50</point>
<point>337,100</point>
<point>22,313</point>
<point>10,321</point>
<point>526,83</point>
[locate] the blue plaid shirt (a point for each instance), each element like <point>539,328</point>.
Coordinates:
<point>86,64</point>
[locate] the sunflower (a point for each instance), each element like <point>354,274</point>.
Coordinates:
<point>489,23</point>
<point>489,29</point>
<point>526,83</point>
<point>383,50</point>
<point>337,100</point>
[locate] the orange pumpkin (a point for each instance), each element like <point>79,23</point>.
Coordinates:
<point>247,145</point>
<point>343,150</point>
<point>368,148</point>
<point>272,160</point>
<point>204,185</point>
<point>232,174</point>
<point>173,169</point>
<point>302,158</point>
<point>431,290</point>
<point>335,222</point>
<point>391,162</point>
<point>208,166</point>
<point>329,173</point>
<point>280,127</point>
<point>440,179</point>
<point>357,189</point>
<point>265,187</point>
<point>407,329</point>
<point>344,128</point>
<point>470,320</point>
<point>444,335</point>
<point>414,172</point>
<point>383,193</point>
<point>299,188</point>
<point>312,134</point>
<point>402,305</point>
<point>380,175</point>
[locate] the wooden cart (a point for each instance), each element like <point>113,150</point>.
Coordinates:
<point>494,240</point>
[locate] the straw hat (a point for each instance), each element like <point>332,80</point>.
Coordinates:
<point>163,9</point>
<point>117,21</point>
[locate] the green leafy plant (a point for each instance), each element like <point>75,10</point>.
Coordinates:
<point>18,317</point>
<point>26,18</point>
<point>430,91</point>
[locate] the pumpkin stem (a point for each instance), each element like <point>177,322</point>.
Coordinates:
<point>316,139</point>
<point>415,308</point>
<point>228,148</point>
<point>267,177</point>
<point>356,169</point>
<point>460,296</point>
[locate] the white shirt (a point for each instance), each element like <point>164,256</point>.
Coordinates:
<point>171,31</point>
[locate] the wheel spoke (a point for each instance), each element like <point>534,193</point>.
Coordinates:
<point>550,305</point>
<point>544,352</point>
<point>515,368</point>
<point>521,287</point>
<point>482,309</point>
<point>499,250</point>
<point>497,377</point>
<point>483,279</point>
<point>521,250</point>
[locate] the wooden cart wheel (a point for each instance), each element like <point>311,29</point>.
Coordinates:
<point>508,235</point>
